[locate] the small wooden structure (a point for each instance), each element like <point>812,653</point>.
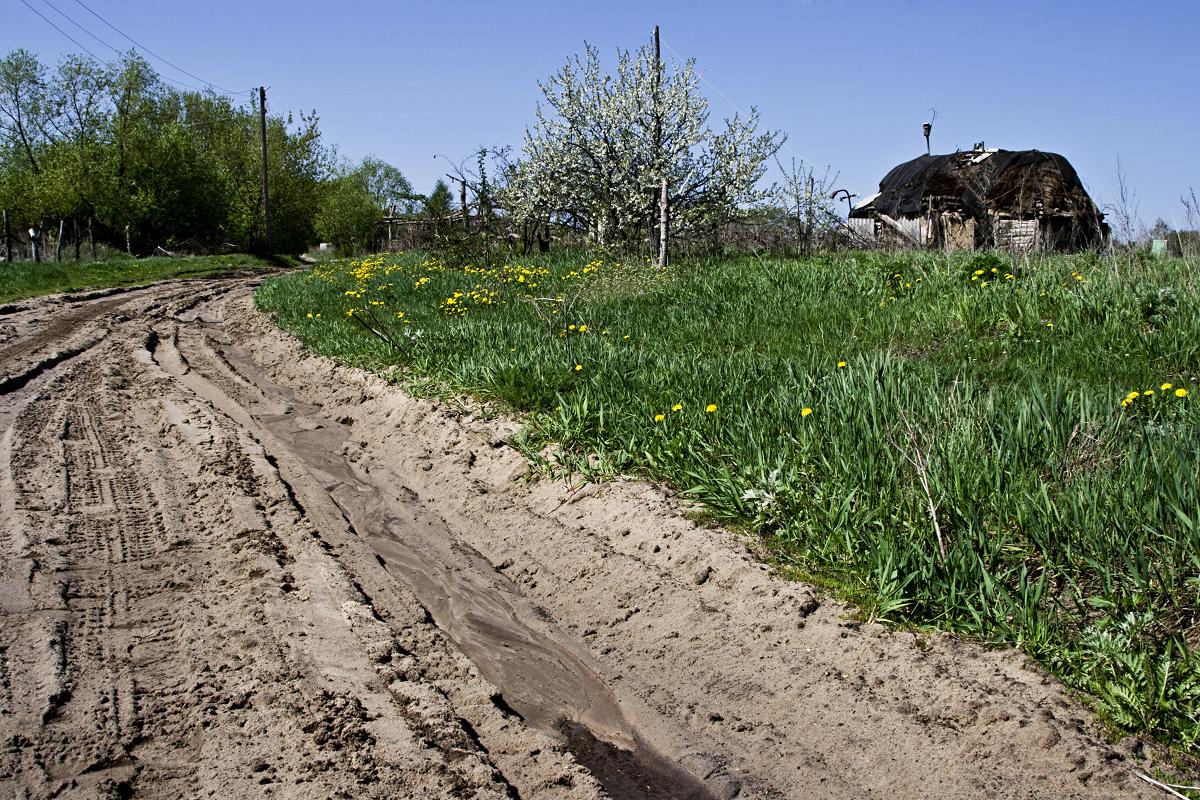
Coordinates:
<point>1006,199</point>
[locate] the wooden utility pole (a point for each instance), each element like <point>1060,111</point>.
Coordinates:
<point>663,209</point>
<point>266,195</point>
<point>7,238</point>
<point>663,216</point>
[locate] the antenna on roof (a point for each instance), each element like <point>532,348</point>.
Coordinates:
<point>927,128</point>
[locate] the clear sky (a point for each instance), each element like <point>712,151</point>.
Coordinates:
<point>849,82</point>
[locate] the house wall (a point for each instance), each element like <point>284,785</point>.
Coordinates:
<point>1015,234</point>
<point>957,233</point>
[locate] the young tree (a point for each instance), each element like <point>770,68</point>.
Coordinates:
<point>388,186</point>
<point>602,144</point>
<point>348,214</point>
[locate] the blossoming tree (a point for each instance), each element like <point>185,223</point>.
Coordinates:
<point>602,145</point>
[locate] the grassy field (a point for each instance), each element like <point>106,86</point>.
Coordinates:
<point>1004,448</point>
<point>21,279</point>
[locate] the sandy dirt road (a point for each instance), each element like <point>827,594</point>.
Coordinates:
<point>231,569</point>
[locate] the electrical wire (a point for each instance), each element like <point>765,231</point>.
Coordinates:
<point>49,22</point>
<point>63,14</point>
<point>152,54</point>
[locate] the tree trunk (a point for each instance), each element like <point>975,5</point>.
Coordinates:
<point>62,223</point>
<point>7,239</point>
<point>75,236</point>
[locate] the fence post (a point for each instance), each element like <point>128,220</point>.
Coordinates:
<point>75,236</point>
<point>91,239</point>
<point>7,238</point>
<point>58,242</point>
<point>128,243</point>
<point>35,237</point>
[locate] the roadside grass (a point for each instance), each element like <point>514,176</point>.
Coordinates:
<point>23,279</point>
<point>1005,448</point>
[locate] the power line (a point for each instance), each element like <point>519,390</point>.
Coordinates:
<point>151,53</point>
<point>77,25</point>
<point>60,30</point>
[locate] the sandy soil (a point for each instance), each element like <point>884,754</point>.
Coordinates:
<point>231,569</point>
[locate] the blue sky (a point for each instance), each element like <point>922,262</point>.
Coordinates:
<point>849,82</point>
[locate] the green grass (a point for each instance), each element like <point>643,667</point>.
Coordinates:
<point>22,279</point>
<point>1063,520</point>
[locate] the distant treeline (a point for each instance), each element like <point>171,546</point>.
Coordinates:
<point>105,146</point>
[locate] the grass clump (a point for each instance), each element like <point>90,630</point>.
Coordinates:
<point>22,279</point>
<point>1004,448</point>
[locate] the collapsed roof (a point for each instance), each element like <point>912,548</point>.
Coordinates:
<point>1018,184</point>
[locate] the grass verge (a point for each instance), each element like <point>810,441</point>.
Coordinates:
<point>23,279</point>
<point>1003,448</point>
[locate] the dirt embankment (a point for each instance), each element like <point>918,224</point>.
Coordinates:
<point>231,569</point>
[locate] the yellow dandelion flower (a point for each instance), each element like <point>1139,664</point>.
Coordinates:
<point>659,417</point>
<point>804,412</point>
<point>570,327</point>
<point>710,408</point>
<point>841,364</point>
<point>1181,392</point>
<point>578,367</point>
<point>1167,386</point>
<point>677,407</point>
<point>1148,392</point>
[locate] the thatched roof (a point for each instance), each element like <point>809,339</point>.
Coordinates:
<point>1021,184</point>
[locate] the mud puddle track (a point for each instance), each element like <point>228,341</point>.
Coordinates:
<point>228,568</point>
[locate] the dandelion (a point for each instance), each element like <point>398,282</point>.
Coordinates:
<point>583,328</point>
<point>626,336</point>
<point>841,364</point>
<point>710,408</point>
<point>1167,386</point>
<point>804,412</point>
<point>1148,392</point>
<point>578,367</point>
<point>310,315</point>
<point>677,407</point>
<point>659,417</point>
<point>1181,392</point>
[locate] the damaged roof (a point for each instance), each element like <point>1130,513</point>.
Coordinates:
<point>1016,183</point>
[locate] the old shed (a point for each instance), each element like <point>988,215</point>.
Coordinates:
<point>982,198</point>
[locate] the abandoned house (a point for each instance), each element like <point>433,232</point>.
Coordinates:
<point>979,199</point>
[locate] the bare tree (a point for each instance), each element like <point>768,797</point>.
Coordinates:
<point>804,199</point>
<point>1124,211</point>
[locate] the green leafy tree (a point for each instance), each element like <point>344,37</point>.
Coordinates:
<point>348,214</point>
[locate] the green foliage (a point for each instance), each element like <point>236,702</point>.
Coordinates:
<point>348,214</point>
<point>970,456</point>
<point>113,144</point>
